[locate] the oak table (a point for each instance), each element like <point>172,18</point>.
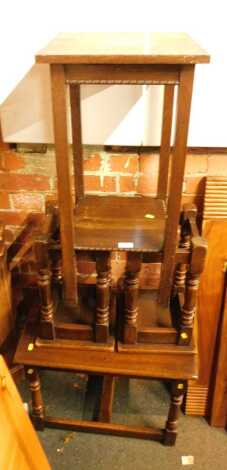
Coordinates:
<point>134,333</point>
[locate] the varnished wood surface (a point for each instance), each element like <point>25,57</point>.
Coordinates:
<point>122,48</point>
<point>20,447</point>
<point>212,279</point>
<point>63,181</point>
<point>182,365</point>
<point>124,74</point>
<point>151,313</point>
<point>215,202</point>
<point>196,399</point>
<point>177,394</point>
<point>167,116</point>
<point>101,223</point>
<point>159,347</point>
<point>105,428</point>
<point>107,397</point>
<point>210,294</point>
<point>77,140</point>
<point>219,398</point>
<point>176,180</point>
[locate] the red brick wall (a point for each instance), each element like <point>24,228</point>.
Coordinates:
<point>27,178</point>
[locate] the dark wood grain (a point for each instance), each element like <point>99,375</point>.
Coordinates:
<point>37,401</point>
<point>218,415</point>
<point>165,148</point>
<point>131,293</point>
<point>118,329</point>
<point>106,400</point>
<point>47,329</point>
<point>64,182</point>
<point>105,428</point>
<point>123,75</point>
<point>102,297</point>
<point>176,181</point>
<point>77,140</point>
<point>166,363</point>
<point>137,222</point>
<point>178,390</point>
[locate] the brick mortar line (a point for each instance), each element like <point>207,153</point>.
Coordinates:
<point>111,193</point>
<point>19,211</point>
<point>114,174</point>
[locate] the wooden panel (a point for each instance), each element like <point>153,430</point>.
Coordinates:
<point>210,294</point>
<point>219,397</point>
<point>20,447</point>
<point>196,402</point>
<point>123,74</point>
<point>122,48</point>
<point>215,203</point>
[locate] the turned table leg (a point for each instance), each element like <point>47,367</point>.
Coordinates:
<point>177,394</point>
<point>188,309</point>
<point>131,298</point>
<point>180,278</point>
<point>36,395</point>
<point>199,249</point>
<point>102,297</point>
<point>47,330</point>
<point>56,269</point>
<point>181,269</point>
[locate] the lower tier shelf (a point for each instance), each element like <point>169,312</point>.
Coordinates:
<point>120,223</point>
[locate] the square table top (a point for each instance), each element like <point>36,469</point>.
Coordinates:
<point>122,48</point>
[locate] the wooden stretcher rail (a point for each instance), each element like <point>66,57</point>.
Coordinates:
<point>105,428</point>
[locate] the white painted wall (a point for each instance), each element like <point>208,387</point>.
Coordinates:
<point>111,115</point>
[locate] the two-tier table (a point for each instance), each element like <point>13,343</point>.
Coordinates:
<point>150,334</point>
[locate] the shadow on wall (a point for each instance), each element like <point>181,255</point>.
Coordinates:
<point>110,114</point>
<point>26,112</point>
